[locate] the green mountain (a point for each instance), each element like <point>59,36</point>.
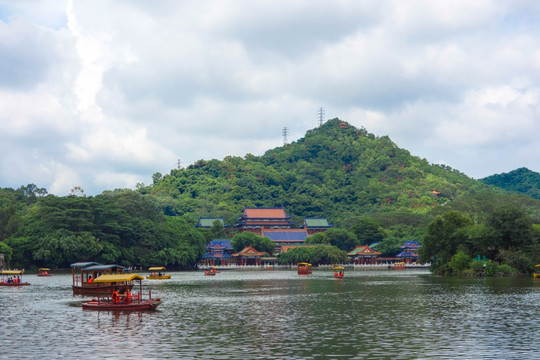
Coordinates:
<point>336,171</point>
<point>521,180</point>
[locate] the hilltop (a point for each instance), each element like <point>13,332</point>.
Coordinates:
<point>335,171</point>
<point>521,180</point>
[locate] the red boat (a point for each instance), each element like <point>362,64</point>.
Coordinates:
<point>304,268</point>
<point>84,274</point>
<point>12,278</point>
<point>338,272</point>
<point>211,271</point>
<point>44,272</point>
<point>121,299</point>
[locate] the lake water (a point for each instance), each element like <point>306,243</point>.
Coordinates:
<point>280,315</point>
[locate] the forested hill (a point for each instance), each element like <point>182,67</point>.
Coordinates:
<point>336,171</point>
<point>521,180</point>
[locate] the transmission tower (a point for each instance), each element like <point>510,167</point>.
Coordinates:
<point>179,165</point>
<point>320,114</point>
<point>285,133</point>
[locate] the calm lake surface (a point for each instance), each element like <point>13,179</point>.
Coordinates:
<point>280,315</point>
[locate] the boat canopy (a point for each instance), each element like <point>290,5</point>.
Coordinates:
<point>338,268</point>
<point>117,278</point>
<point>83,264</point>
<point>156,268</point>
<point>12,272</point>
<point>303,264</point>
<point>538,266</point>
<point>101,267</point>
<point>44,269</point>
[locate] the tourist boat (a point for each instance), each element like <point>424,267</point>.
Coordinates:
<point>159,275</point>
<point>398,266</point>
<point>124,301</point>
<point>44,272</point>
<point>338,272</point>
<point>84,273</point>
<point>211,271</point>
<point>304,268</point>
<point>12,278</point>
<point>537,271</point>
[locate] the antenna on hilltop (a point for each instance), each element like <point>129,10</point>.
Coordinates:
<point>285,133</point>
<point>179,165</point>
<point>320,114</point>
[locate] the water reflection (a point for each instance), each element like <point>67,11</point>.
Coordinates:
<point>277,314</point>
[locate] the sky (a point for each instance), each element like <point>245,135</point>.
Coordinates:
<point>102,94</point>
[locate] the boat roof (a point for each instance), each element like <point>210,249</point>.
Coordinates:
<point>117,278</point>
<point>83,264</point>
<point>44,269</point>
<point>338,268</point>
<point>156,268</point>
<point>100,267</point>
<point>304,264</point>
<point>12,272</point>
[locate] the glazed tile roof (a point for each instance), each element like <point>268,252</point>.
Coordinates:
<point>249,251</point>
<point>316,222</point>
<point>224,244</point>
<point>266,213</point>
<point>363,251</point>
<point>410,245</point>
<point>285,234</point>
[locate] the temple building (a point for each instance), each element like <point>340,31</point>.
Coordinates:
<point>249,256</point>
<point>409,251</point>
<point>363,255</point>
<point>316,225</point>
<point>256,219</point>
<point>218,252</point>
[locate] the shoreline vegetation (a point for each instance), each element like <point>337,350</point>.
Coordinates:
<point>373,192</point>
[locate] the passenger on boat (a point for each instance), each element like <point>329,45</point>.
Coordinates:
<point>90,278</point>
<point>115,296</point>
<point>336,274</point>
<point>341,273</point>
<point>128,298</point>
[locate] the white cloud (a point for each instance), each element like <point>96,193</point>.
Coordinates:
<point>102,94</point>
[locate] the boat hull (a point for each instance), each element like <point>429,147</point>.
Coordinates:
<point>44,275</point>
<point>109,306</point>
<point>95,289</point>
<point>14,284</point>
<point>162,277</point>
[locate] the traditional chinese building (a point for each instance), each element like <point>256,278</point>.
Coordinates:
<point>409,251</point>
<point>316,225</point>
<point>363,255</point>
<point>249,256</point>
<point>256,219</point>
<point>218,252</point>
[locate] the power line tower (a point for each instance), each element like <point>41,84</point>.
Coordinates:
<point>320,115</point>
<point>285,133</point>
<point>179,165</point>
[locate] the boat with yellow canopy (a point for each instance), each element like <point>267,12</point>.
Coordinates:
<point>537,271</point>
<point>338,272</point>
<point>44,272</point>
<point>12,278</point>
<point>159,275</point>
<point>121,298</point>
<point>304,268</point>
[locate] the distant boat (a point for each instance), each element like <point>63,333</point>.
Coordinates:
<point>211,271</point>
<point>338,272</point>
<point>304,268</point>
<point>537,271</point>
<point>398,266</point>
<point>159,275</point>
<point>12,278</point>
<point>44,272</point>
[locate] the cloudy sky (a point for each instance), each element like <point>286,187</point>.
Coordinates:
<point>103,94</point>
